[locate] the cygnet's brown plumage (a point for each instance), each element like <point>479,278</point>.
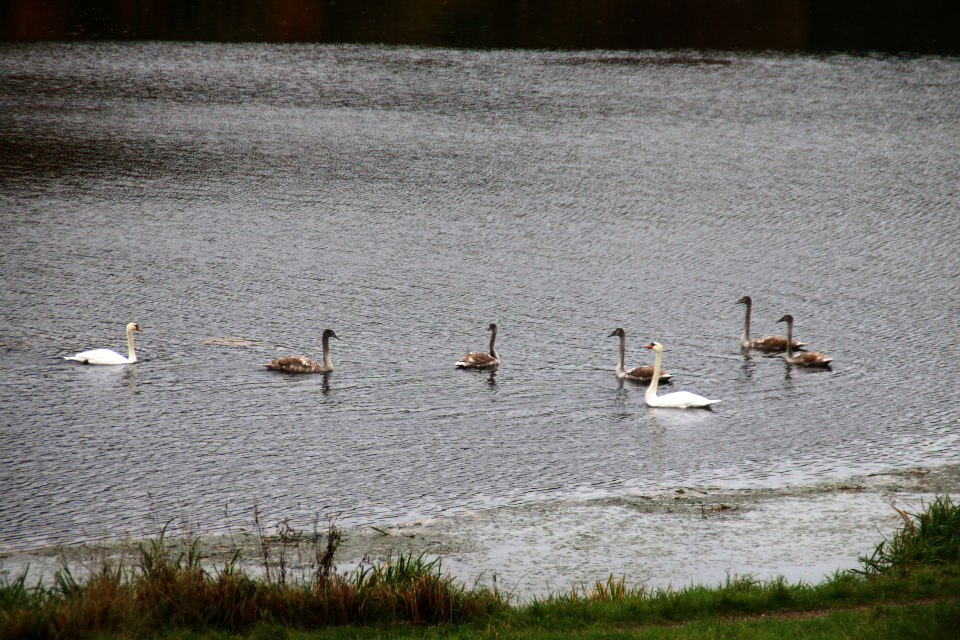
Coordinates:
<point>642,373</point>
<point>768,343</point>
<point>480,360</point>
<point>805,358</point>
<point>299,364</point>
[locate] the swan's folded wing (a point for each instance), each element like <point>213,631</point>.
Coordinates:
<point>681,400</point>
<point>99,356</point>
<point>775,343</point>
<point>476,359</point>
<point>645,372</point>
<point>812,359</point>
<point>295,364</point>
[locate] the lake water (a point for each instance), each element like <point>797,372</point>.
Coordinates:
<point>408,197</point>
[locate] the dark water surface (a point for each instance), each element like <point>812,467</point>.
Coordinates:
<point>408,197</point>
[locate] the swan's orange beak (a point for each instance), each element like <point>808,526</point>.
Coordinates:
<point>648,346</point>
<point>137,327</point>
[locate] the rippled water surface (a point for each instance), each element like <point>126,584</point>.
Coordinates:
<point>407,198</point>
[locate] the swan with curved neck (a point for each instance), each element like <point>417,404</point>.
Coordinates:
<point>109,356</point>
<point>480,360</point>
<point>805,358</point>
<point>642,373</point>
<point>299,364</point>
<point>769,343</point>
<point>677,399</point>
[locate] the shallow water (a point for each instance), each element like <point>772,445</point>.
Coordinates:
<point>406,198</point>
<point>662,539</point>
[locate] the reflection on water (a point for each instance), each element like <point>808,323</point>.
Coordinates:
<point>410,195</point>
<point>130,378</point>
<point>669,417</point>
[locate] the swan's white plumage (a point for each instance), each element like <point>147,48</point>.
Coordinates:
<point>642,373</point>
<point>478,359</point>
<point>299,364</point>
<point>681,400</point>
<point>109,356</point>
<point>677,399</point>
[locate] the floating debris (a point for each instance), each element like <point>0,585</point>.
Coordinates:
<point>231,341</point>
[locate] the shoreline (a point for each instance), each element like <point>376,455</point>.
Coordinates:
<point>673,537</point>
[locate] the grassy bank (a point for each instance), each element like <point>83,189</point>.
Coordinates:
<point>906,588</point>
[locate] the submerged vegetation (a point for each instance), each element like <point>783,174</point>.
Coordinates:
<point>170,592</point>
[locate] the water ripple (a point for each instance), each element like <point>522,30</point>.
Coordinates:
<point>407,199</point>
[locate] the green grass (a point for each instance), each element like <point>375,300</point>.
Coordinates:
<point>931,537</point>
<point>927,621</point>
<point>168,592</point>
<point>906,589</point>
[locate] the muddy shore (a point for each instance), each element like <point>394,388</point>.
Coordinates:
<point>673,537</point>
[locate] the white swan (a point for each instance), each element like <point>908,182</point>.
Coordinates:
<point>805,358</point>
<point>109,356</point>
<point>299,364</point>
<point>769,343</point>
<point>677,399</point>
<point>479,360</point>
<point>642,373</point>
